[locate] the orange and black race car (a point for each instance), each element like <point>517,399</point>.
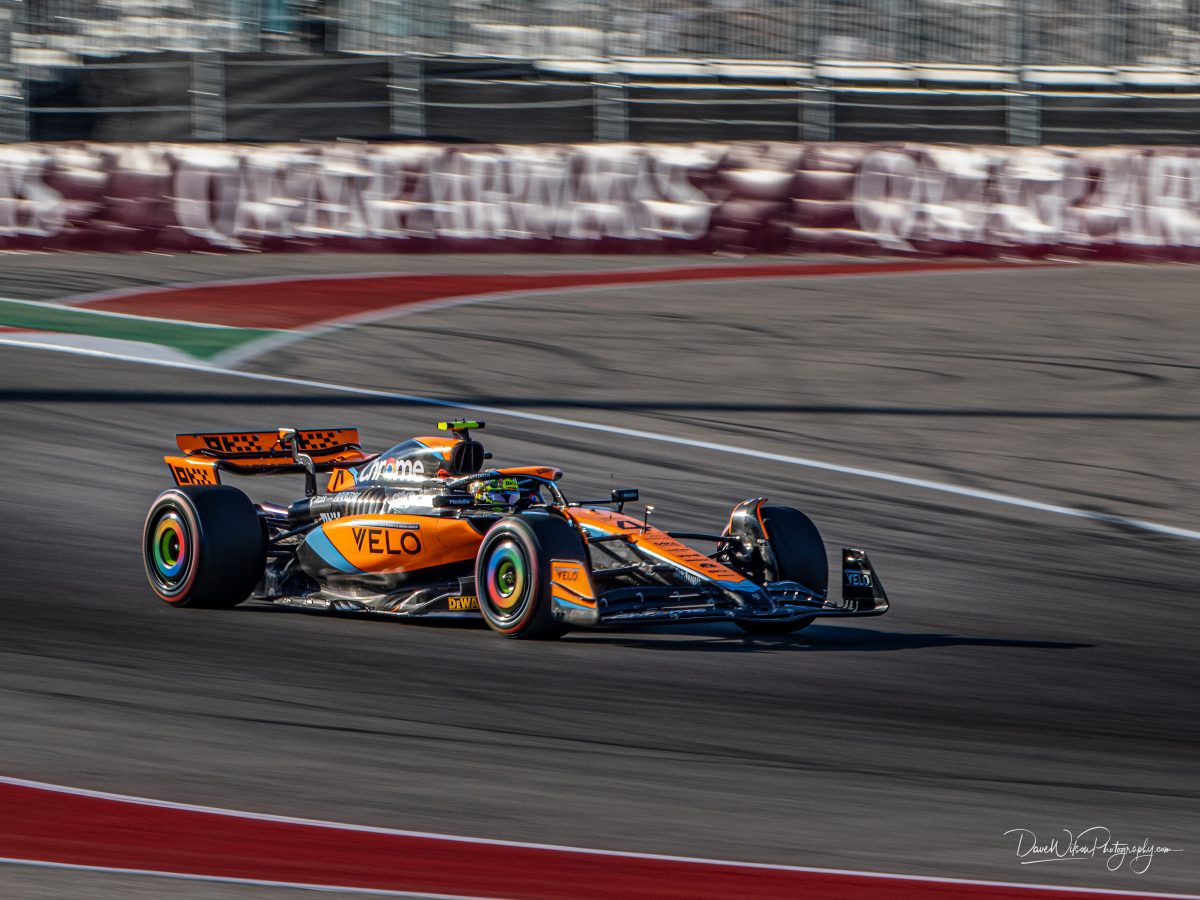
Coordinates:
<point>425,529</point>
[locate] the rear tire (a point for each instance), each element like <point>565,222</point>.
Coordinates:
<point>203,546</point>
<point>798,554</point>
<point>512,574</point>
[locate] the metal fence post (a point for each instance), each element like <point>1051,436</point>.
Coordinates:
<point>406,90</point>
<point>208,96</point>
<point>1024,104</point>
<point>611,118</point>
<point>1024,117</point>
<point>1118,44</point>
<point>14,111</point>
<point>816,114</point>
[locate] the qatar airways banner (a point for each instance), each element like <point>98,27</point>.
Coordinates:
<point>1120,202</point>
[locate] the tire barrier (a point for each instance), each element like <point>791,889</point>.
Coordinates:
<point>1109,202</point>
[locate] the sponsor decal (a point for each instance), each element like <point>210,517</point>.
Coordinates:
<point>685,555</point>
<point>233,443</point>
<point>339,480</point>
<point>570,585</point>
<point>858,579</point>
<point>381,541</point>
<point>1118,200</point>
<point>193,475</point>
<point>395,469</point>
<point>400,501</point>
<point>462,604</point>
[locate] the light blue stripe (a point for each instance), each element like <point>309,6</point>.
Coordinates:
<point>562,601</point>
<point>319,541</point>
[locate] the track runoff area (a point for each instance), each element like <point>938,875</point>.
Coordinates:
<point>65,827</point>
<point>61,826</point>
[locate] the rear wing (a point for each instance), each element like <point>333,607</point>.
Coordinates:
<point>263,453</point>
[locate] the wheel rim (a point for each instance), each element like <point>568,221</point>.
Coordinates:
<point>167,551</point>
<point>506,579</point>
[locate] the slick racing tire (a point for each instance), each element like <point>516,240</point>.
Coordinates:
<point>761,628</point>
<point>512,574</point>
<point>799,555</point>
<point>203,546</point>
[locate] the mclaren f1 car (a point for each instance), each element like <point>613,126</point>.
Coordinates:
<point>428,527</point>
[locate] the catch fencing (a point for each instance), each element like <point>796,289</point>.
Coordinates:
<point>1119,202</point>
<point>998,32</point>
<point>1075,72</point>
<point>279,97</point>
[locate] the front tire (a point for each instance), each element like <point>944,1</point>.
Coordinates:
<point>760,628</point>
<point>203,546</point>
<point>512,574</point>
<point>797,553</point>
<point>797,548</point>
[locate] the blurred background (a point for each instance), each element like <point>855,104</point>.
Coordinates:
<point>1073,72</point>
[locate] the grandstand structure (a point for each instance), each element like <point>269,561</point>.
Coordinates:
<point>1003,71</point>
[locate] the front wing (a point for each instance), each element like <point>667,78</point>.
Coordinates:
<point>862,594</point>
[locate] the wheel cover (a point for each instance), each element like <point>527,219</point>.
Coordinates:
<point>167,551</point>
<point>506,579</point>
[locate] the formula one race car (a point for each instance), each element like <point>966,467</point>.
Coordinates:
<point>424,529</point>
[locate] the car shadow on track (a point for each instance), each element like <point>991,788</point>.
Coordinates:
<point>723,638</point>
<point>710,637</point>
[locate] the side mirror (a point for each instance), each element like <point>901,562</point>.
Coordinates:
<point>621,496</point>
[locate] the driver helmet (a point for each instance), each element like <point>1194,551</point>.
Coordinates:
<point>497,492</point>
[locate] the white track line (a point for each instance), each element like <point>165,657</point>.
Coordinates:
<point>225,879</point>
<point>84,310</point>
<point>890,478</point>
<point>558,848</point>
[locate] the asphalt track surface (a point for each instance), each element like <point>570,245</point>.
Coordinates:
<point>1035,671</point>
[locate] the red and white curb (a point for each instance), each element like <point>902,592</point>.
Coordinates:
<point>48,825</point>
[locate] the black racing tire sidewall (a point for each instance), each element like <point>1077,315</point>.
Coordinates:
<point>509,531</point>
<point>172,501</point>
<point>799,556</point>
<point>761,628</point>
<point>225,540</point>
<point>797,547</point>
<point>541,538</point>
